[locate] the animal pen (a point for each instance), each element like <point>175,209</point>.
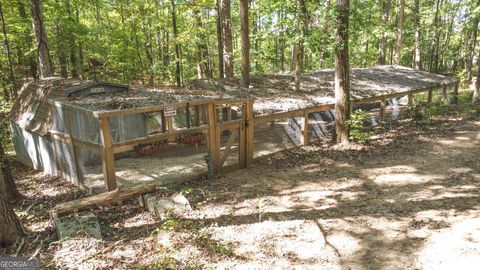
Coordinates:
<point>102,135</point>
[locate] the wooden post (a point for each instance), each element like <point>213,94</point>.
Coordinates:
<point>197,116</point>
<point>444,94</point>
<point>164,122</point>
<point>213,139</point>
<point>188,115</point>
<point>430,97</point>
<point>383,106</point>
<point>108,161</point>
<point>305,128</point>
<point>455,94</point>
<point>76,178</point>
<point>410,99</point>
<point>249,132</point>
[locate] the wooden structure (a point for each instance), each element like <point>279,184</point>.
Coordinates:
<point>212,117</point>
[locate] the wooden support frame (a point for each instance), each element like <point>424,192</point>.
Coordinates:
<point>430,97</point>
<point>305,139</point>
<point>249,133</point>
<point>445,94</point>
<point>382,111</point>
<point>213,139</point>
<point>108,160</point>
<point>455,94</point>
<point>233,137</point>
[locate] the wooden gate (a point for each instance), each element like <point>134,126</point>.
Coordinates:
<point>232,134</point>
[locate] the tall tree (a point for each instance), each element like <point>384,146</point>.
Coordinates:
<point>11,69</point>
<point>476,91</point>
<point>219,39</point>
<point>45,62</point>
<point>416,11</point>
<point>398,44</point>
<point>244,82</point>
<point>323,41</point>
<point>10,227</point>
<point>386,4</point>
<point>299,50</point>
<point>472,43</point>
<point>226,24</point>
<point>178,79</point>
<point>342,73</point>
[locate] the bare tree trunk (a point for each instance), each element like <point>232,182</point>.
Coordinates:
<point>281,42</point>
<point>476,91</point>
<point>383,39</point>
<point>342,74</point>
<point>471,47</point>
<point>325,34</point>
<point>221,72</point>
<point>72,44</point>
<point>299,51</point>
<point>178,79</point>
<point>227,38</point>
<point>398,44</point>
<point>244,82</point>
<point>10,227</point>
<point>8,183</point>
<point>436,37</point>
<point>418,63</point>
<point>45,62</point>
<point>11,69</point>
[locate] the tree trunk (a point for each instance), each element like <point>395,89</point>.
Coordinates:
<point>299,51</point>
<point>398,44</point>
<point>45,63</point>
<point>342,74</point>
<point>325,35</point>
<point>476,91</point>
<point>178,79</point>
<point>471,47</point>
<point>436,36</point>
<point>221,72</point>
<point>10,227</point>
<point>418,64</point>
<point>11,69</point>
<point>281,41</point>
<point>227,37</point>
<point>383,39</point>
<point>72,43</point>
<point>8,183</point>
<point>244,82</point>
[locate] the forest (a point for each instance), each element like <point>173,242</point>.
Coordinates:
<point>160,42</point>
<point>239,134</point>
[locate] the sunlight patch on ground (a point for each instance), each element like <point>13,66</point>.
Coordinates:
<point>457,247</point>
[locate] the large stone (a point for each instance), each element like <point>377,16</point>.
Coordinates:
<point>83,226</point>
<point>162,207</point>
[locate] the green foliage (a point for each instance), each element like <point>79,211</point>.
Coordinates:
<point>358,126</point>
<point>204,240</point>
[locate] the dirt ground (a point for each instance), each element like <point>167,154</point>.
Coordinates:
<point>408,200</point>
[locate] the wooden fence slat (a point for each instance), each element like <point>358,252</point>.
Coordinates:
<point>228,147</point>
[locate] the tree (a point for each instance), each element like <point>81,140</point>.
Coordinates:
<point>10,227</point>
<point>299,50</point>
<point>226,37</point>
<point>245,43</point>
<point>398,44</point>
<point>476,91</point>
<point>11,69</point>
<point>219,39</point>
<point>178,79</point>
<point>342,73</point>
<point>45,62</point>
<point>472,44</point>
<point>417,60</point>
<point>383,39</point>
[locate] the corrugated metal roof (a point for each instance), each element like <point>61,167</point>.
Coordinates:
<point>31,111</point>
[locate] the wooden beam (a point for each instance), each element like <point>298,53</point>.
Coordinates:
<point>430,97</point>
<point>197,115</point>
<point>228,147</point>
<point>305,128</point>
<point>108,160</point>
<point>445,94</point>
<point>75,166</point>
<point>188,115</point>
<point>383,106</point>
<point>249,133</point>
<point>213,138</point>
<point>107,198</point>
<point>410,99</point>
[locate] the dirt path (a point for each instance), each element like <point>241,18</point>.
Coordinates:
<point>411,200</point>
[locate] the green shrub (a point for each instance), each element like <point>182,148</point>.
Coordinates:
<point>359,130</point>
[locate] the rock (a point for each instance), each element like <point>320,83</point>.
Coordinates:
<point>77,227</point>
<point>162,207</point>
